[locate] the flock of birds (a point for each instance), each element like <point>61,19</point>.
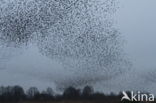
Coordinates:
<point>80,34</point>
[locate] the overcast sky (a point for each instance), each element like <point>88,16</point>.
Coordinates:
<point>137,23</point>
<point>136,20</point>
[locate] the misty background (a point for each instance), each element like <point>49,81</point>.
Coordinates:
<point>136,22</point>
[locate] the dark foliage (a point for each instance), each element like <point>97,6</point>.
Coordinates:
<point>17,94</point>
<point>71,93</point>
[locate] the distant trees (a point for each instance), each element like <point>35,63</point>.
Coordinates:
<point>32,92</point>
<point>45,95</point>
<point>87,91</point>
<point>71,93</point>
<point>12,93</point>
<point>17,94</point>
<point>50,91</point>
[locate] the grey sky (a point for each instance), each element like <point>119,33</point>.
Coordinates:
<point>136,20</point>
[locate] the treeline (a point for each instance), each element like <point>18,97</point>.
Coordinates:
<point>17,93</point>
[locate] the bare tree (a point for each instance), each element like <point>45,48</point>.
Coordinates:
<point>32,91</point>
<point>50,91</point>
<point>18,93</point>
<point>71,93</point>
<point>87,91</point>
